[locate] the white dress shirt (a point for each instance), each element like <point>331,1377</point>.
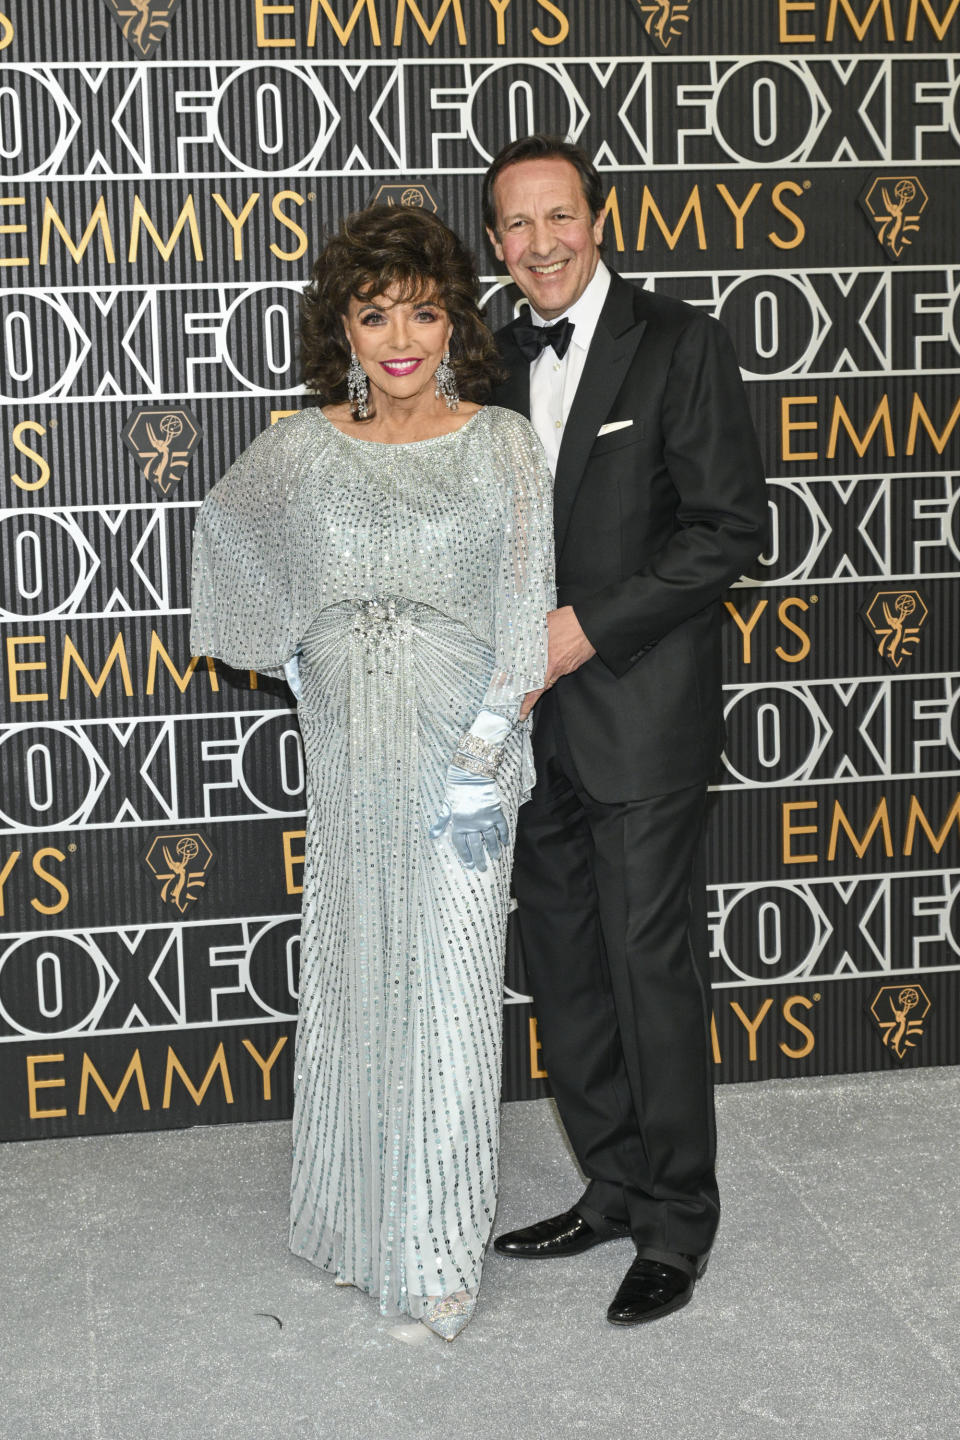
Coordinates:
<point>553,382</point>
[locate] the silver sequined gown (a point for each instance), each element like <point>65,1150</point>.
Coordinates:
<point>416,578</point>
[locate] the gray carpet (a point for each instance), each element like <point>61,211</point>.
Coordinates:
<point>139,1278</point>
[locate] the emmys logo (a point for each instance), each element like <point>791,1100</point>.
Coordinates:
<point>144,22</point>
<point>900,1012</point>
<point>895,618</point>
<point>179,862</point>
<point>163,441</point>
<point>417,197</point>
<point>895,204</point>
<point>664,19</point>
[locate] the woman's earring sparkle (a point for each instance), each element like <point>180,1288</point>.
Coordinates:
<point>447,382</point>
<point>358,387</point>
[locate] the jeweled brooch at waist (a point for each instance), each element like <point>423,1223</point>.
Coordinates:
<point>383,619</point>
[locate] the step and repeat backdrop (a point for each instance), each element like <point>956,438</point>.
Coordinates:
<point>168,170</point>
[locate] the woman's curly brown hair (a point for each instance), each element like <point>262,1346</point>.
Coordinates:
<point>415,254</point>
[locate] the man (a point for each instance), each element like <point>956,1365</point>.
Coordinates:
<point>659,506</point>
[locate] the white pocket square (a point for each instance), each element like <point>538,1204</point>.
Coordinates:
<point>613,425</point>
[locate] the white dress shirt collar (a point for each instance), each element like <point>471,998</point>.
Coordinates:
<point>554,382</point>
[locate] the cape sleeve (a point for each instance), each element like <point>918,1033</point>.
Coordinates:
<point>243,598</point>
<point>526,589</point>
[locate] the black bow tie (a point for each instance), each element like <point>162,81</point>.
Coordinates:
<point>532,340</point>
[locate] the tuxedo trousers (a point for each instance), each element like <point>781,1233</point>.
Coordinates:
<point>612,912</point>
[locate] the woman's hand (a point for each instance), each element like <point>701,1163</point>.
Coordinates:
<point>471,808</point>
<point>471,805</point>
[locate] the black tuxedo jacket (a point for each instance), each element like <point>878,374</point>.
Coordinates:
<point>653,521</point>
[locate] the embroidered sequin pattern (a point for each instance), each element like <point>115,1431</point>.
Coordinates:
<point>415,581</point>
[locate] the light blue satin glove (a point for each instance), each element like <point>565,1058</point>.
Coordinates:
<point>291,668</point>
<point>472,809</point>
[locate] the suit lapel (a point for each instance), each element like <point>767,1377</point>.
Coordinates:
<point>612,349</point>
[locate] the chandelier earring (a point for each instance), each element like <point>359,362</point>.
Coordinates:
<point>358,387</point>
<point>447,383</point>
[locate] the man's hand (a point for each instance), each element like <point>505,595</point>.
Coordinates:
<point>567,646</point>
<point>529,700</point>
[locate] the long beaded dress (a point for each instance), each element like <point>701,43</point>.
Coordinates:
<point>415,580</point>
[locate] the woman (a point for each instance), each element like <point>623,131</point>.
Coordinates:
<point>392,550</point>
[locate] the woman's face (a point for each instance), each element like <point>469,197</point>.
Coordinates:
<point>399,343</point>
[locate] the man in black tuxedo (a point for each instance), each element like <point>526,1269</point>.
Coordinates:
<point>659,506</point>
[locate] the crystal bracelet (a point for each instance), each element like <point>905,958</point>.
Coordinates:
<point>478,756</point>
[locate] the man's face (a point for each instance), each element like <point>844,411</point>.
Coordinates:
<point>545,233</point>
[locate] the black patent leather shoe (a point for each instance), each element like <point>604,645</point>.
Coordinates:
<point>656,1284</point>
<point>566,1234</point>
